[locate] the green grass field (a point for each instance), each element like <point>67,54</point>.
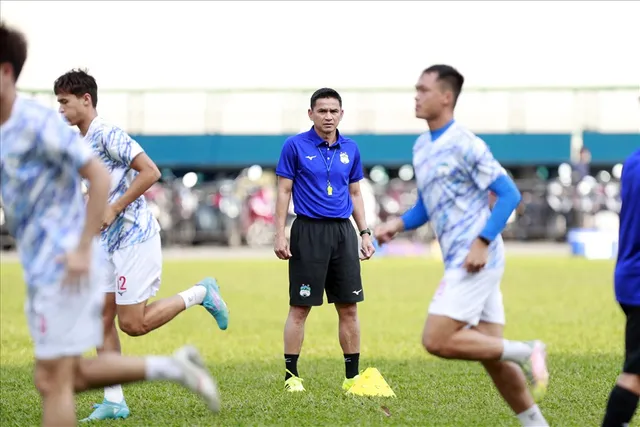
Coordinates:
<point>566,302</point>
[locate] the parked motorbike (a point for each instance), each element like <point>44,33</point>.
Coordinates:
<point>217,216</point>
<point>183,209</point>
<point>258,216</point>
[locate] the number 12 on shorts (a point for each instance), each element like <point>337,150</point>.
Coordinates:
<point>122,285</point>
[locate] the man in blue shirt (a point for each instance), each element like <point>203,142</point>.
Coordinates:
<point>322,170</point>
<point>623,399</point>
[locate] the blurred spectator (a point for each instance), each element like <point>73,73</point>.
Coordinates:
<point>582,167</point>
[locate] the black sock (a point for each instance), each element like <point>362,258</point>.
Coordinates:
<point>291,365</point>
<point>351,362</point>
<point>621,407</point>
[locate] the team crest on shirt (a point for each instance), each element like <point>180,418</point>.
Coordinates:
<point>305,291</point>
<point>344,157</point>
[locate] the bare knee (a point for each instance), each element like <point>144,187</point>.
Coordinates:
<point>132,319</point>
<point>298,314</point>
<point>347,312</point>
<point>436,345</point>
<point>53,376</point>
<point>133,327</point>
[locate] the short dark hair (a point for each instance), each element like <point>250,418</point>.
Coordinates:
<point>77,82</point>
<point>13,49</point>
<point>324,93</point>
<point>450,76</point>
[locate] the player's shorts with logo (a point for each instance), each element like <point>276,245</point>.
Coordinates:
<point>325,258</point>
<point>134,272</point>
<point>67,321</point>
<point>470,297</point>
<point>632,339</point>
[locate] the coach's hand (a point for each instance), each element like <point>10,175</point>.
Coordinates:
<point>477,257</point>
<point>109,216</point>
<point>281,247</point>
<point>367,250</point>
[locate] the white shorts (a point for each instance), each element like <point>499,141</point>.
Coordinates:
<point>65,323</point>
<point>470,297</point>
<point>134,272</point>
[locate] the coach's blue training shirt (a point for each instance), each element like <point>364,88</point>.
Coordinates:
<point>627,273</point>
<point>305,159</point>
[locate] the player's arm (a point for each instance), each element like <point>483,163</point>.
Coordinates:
<point>63,146</point>
<point>507,200</point>
<point>488,174</point>
<point>356,175</point>
<point>121,147</point>
<point>415,217</point>
<point>98,178</point>
<point>286,171</point>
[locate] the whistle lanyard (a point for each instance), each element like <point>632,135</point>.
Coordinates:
<point>328,166</point>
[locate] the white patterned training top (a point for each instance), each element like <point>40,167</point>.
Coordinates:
<point>40,158</point>
<point>116,149</point>
<point>453,174</point>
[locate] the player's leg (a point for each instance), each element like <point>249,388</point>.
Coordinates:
<point>460,301</point>
<point>307,273</point>
<point>344,289</point>
<point>623,400</point>
<point>111,345</point>
<point>113,405</point>
<point>54,380</point>
<point>508,376</point>
<point>139,271</point>
<point>185,367</point>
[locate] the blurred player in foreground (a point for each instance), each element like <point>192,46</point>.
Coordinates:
<point>623,399</point>
<point>454,172</point>
<point>130,235</point>
<point>42,164</point>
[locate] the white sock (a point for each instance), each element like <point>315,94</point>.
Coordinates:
<point>532,417</point>
<point>193,296</point>
<point>163,368</point>
<point>114,393</point>
<point>516,351</point>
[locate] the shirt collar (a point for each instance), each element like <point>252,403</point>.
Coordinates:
<point>316,139</point>
<point>95,123</point>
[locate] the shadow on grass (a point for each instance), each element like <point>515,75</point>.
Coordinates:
<point>429,392</point>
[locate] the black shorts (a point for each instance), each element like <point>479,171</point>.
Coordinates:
<point>632,340</point>
<point>325,258</point>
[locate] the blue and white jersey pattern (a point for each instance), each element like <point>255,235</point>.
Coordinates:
<point>116,149</point>
<point>40,158</point>
<point>453,174</point>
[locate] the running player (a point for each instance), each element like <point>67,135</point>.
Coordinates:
<point>130,234</point>
<point>454,171</point>
<point>42,164</point>
<point>623,400</point>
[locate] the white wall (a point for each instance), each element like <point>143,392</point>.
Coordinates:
<point>279,112</point>
<point>345,45</point>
